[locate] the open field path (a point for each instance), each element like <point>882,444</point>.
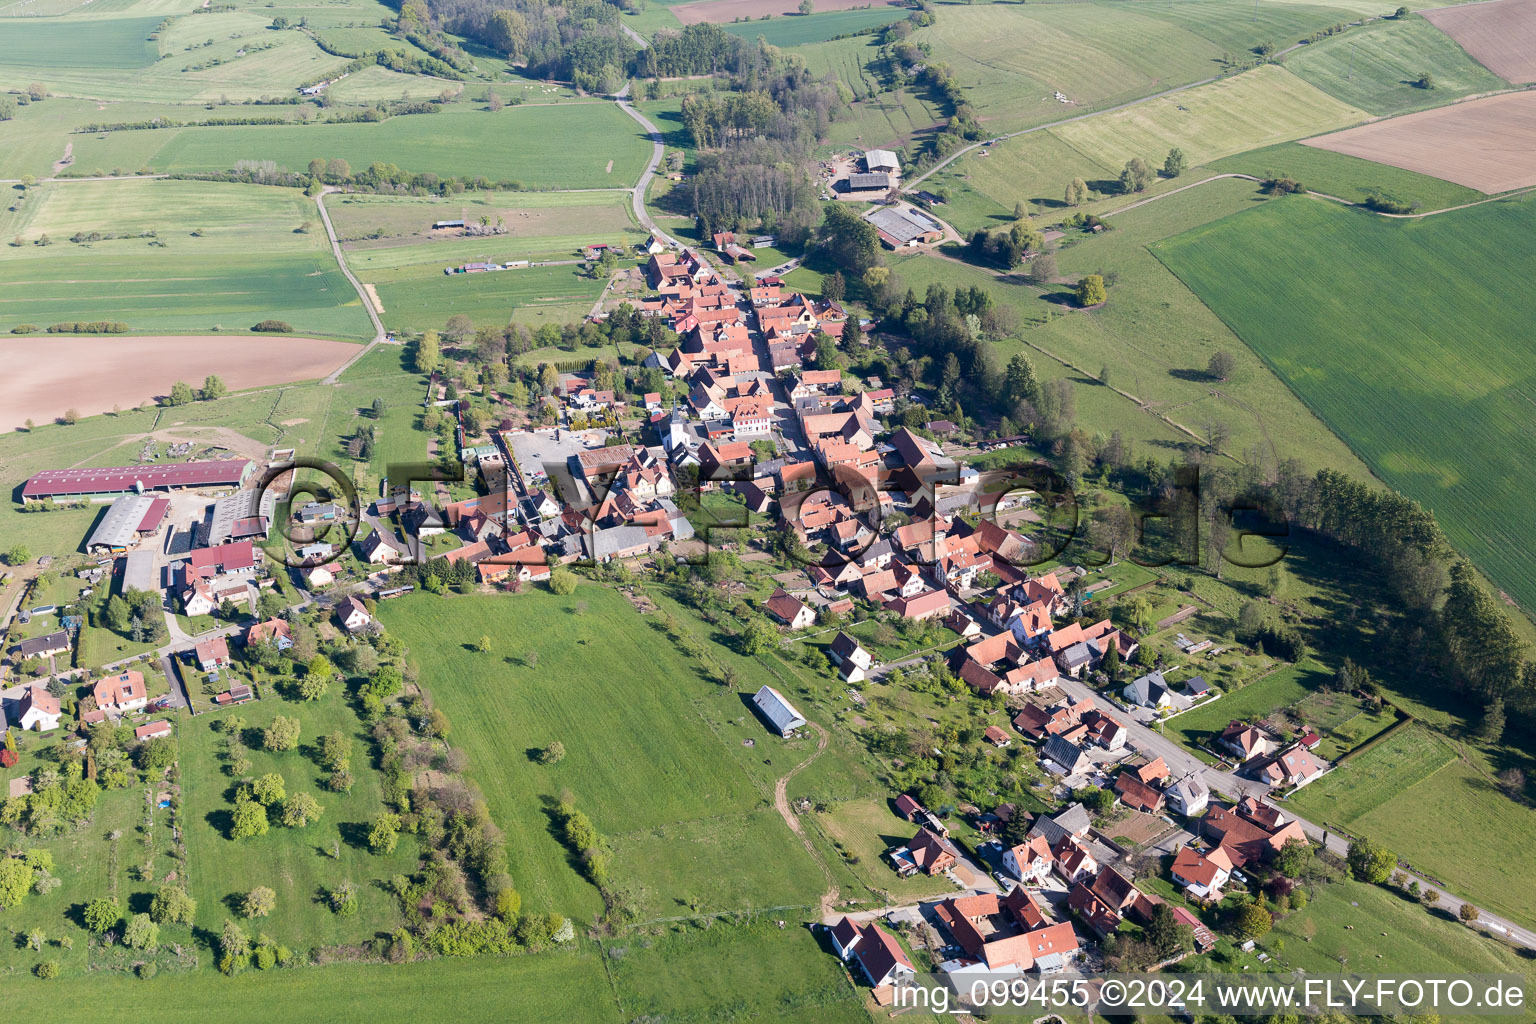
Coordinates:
<point>781,804</point>
<point>379,333</point>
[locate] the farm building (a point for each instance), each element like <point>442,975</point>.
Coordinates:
<point>84,483</point>
<point>130,517</point>
<point>152,730</point>
<point>900,226</point>
<point>780,713</point>
<point>879,161</point>
<point>869,182</point>
<point>238,516</point>
<point>439,225</point>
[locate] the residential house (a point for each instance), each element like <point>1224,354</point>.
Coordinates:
<point>1296,767</point>
<point>1030,861</point>
<point>1067,755</point>
<point>922,606</point>
<point>121,693</point>
<point>789,610</point>
<point>1189,796</point>
<point>1073,821</point>
<point>879,957</point>
<point>1246,840</point>
<point>274,631</point>
<point>352,614</point>
<point>1201,874</point>
<point>1152,691</point>
<point>1245,741</point>
<point>43,646</point>
<point>211,654</point>
<point>1137,795</point>
<point>1074,861</point>
<point>36,710</point>
<point>852,659</point>
<point>1007,934</point>
<point>927,852</point>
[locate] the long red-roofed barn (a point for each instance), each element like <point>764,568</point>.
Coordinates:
<point>85,482</point>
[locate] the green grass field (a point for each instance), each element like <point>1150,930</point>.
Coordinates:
<point>655,756</point>
<point>797,31</point>
<point>1428,380</point>
<point>1378,931</point>
<point>536,222</point>
<point>296,863</point>
<point>225,55</point>
<point>250,263</point>
<point>563,145</point>
<point>1257,108</point>
<point>418,295</point>
<point>1238,25</point>
<point>483,988</point>
<point>1374,67</point>
<point>1155,335</point>
<point>1374,777</point>
<point>116,44</point>
<point>1347,177</point>
<point>1253,702</point>
<point>1013,59</point>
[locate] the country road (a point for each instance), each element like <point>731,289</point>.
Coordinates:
<point>379,334</point>
<point>658,150</point>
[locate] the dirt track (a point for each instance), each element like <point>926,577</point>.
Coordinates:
<point>720,12</point>
<point>49,375</point>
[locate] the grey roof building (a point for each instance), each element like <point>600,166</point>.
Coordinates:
<point>1066,753</point>
<point>119,528</point>
<point>780,713</point>
<point>1074,822</point>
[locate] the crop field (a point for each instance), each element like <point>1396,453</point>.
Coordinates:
<point>536,222</point>
<point>114,44</point>
<point>1256,108</point>
<point>295,863</point>
<point>799,29</point>
<point>564,145</point>
<point>189,257</point>
<point>96,375</point>
<point>376,84</point>
<point>1012,60</point>
<point>1348,177</point>
<point>663,750</point>
<point>1431,396</point>
<point>1487,144</point>
<point>1375,67</point>
<point>1501,35</point>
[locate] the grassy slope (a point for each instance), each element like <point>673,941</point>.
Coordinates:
<point>1257,108</point>
<point>563,145</point>
<point>1276,690</point>
<point>1374,67</point>
<point>42,45</point>
<point>642,748</point>
<point>1347,177</point>
<point>1012,60</point>
<point>1431,398</point>
<point>250,263</point>
<point>1156,337</point>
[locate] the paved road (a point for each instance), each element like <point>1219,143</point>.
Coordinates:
<point>1181,762</point>
<point>658,150</point>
